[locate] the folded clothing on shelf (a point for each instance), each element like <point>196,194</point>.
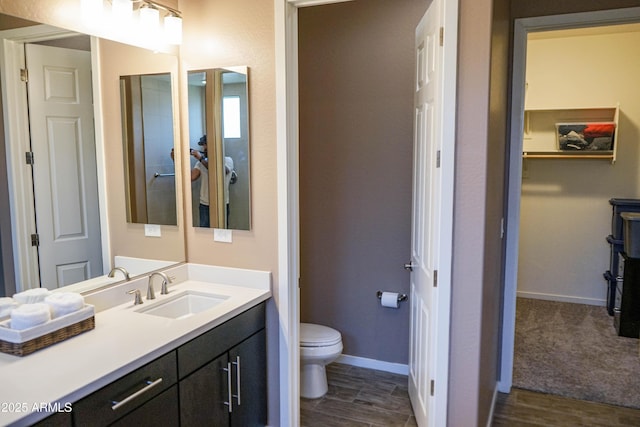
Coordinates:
<point>26,316</point>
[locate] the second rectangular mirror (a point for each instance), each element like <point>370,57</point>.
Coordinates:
<point>219,148</point>
<point>147,117</point>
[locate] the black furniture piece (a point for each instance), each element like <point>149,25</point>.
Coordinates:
<point>626,318</point>
<point>616,241</point>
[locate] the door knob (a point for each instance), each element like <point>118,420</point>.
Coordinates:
<point>409,266</point>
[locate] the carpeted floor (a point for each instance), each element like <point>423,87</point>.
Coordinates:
<point>573,350</point>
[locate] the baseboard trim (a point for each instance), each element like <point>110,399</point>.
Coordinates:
<point>380,365</point>
<point>562,298</point>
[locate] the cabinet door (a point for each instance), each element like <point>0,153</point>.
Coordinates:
<point>60,419</point>
<point>249,382</point>
<point>203,395</point>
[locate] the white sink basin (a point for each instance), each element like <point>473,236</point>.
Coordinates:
<point>183,304</point>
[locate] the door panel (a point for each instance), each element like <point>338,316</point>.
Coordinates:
<point>425,216</point>
<point>64,169</point>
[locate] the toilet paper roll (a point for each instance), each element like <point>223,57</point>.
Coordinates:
<point>389,299</point>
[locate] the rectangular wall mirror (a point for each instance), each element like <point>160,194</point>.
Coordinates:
<point>147,134</point>
<point>219,148</point>
<point>62,198</point>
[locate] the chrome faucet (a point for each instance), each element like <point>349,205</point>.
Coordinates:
<point>163,291</point>
<point>123,270</point>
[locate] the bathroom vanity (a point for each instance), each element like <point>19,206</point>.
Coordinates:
<point>141,365</point>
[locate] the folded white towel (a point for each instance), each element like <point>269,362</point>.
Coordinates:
<point>29,315</point>
<point>31,296</point>
<point>6,305</point>
<point>62,303</point>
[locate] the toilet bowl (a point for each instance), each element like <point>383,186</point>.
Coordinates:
<point>319,346</point>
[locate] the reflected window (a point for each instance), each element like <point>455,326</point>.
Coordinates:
<point>231,117</point>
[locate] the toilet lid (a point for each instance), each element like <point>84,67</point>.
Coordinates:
<point>312,335</point>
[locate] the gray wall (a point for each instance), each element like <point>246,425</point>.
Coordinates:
<point>483,52</point>
<point>483,81</point>
<point>356,135</point>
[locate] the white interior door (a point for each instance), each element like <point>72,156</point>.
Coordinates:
<point>64,169</point>
<point>427,206</point>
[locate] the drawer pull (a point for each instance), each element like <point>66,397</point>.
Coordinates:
<point>237,363</point>
<point>149,385</point>
<point>229,393</point>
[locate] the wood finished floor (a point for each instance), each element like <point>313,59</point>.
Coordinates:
<point>360,397</point>
<point>523,408</point>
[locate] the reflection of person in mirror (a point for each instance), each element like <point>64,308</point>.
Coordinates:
<point>229,178</point>
<point>201,171</point>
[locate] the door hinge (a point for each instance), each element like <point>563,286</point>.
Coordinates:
<point>28,157</point>
<point>433,387</point>
<point>35,239</point>
<point>441,36</point>
<point>435,278</point>
<point>438,158</point>
<point>24,75</point>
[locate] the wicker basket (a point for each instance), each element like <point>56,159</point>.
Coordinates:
<point>21,343</point>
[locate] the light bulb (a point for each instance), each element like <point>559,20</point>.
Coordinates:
<point>122,10</point>
<point>92,9</point>
<point>149,20</point>
<point>173,29</point>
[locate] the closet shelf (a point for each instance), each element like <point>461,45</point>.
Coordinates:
<point>564,155</point>
<point>541,131</point>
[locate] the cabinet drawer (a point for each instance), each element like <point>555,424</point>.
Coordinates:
<point>127,393</point>
<point>162,410</point>
<point>211,344</point>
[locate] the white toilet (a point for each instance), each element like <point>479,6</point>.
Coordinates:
<point>319,346</point>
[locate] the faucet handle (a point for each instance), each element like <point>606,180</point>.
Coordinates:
<point>137,297</point>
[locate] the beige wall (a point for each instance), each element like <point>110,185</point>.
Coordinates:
<point>483,82</point>
<point>565,214</point>
<point>223,34</point>
<point>129,239</point>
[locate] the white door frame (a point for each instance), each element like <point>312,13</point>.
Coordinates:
<point>17,143</point>
<point>287,300</point>
<point>522,27</point>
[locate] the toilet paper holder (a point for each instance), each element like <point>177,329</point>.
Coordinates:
<point>401,297</point>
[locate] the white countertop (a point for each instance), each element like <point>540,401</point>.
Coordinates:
<point>122,341</point>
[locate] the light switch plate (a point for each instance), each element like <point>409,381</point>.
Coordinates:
<point>152,230</point>
<point>222,235</point>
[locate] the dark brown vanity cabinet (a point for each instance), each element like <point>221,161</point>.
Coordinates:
<point>223,374</point>
<point>216,379</point>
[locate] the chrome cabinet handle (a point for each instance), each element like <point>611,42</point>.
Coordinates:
<point>228,371</point>
<point>148,386</point>
<point>409,266</point>
<point>237,363</point>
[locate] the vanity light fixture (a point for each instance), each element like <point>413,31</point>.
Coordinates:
<point>149,19</point>
<point>122,10</point>
<point>92,9</point>
<point>146,21</point>
<point>173,28</point>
